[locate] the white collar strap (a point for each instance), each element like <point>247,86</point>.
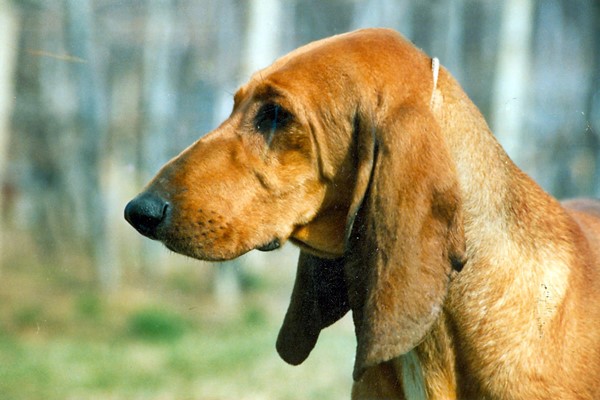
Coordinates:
<point>435,69</point>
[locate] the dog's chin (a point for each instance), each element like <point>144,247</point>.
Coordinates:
<point>203,253</point>
<point>214,254</point>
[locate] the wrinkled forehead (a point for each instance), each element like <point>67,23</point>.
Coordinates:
<point>306,68</point>
<point>325,68</point>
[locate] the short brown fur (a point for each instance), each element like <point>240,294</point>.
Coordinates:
<point>390,184</point>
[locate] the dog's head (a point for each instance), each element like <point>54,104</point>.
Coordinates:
<point>333,147</point>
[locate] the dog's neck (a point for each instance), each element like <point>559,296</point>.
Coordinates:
<point>494,190</point>
<point>504,212</point>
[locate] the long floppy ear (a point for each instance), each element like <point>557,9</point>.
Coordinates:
<point>318,300</point>
<point>406,236</point>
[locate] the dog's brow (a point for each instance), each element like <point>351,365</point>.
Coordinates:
<point>266,92</point>
<point>238,97</point>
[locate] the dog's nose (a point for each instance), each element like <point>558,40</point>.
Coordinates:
<point>146,212</point>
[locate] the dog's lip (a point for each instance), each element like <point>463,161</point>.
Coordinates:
<point>272,245</point>
<point>149,233</point>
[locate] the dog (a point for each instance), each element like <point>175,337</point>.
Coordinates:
<point>465,279</point>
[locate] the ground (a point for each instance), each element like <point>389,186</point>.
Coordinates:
<point>155,339</point>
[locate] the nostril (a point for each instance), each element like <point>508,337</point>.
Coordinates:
<point>146,212</point>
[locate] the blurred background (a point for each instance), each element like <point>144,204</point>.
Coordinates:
<point>95,95</point>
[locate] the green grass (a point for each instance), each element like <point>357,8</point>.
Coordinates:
<point>156,324</point>
<point>223,362</point>
<point>158,343</point>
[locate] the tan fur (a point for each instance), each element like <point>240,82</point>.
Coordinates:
<point>387,181</point>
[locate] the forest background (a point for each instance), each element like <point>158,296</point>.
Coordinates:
<point>95,95</point>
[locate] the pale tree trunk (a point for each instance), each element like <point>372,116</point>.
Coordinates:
<point>594,97</point>
<point>481,27</point>
<point>90,122</point>
<point>446,30</point>
<point>512,76</point>
<point>383,13</point>
<point>8,55</point>
<point>159,101</point>
<point>264,33</point>
<point>560,143</point>
<point>262,47</point>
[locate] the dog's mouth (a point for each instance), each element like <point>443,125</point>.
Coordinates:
<point>270,246</point>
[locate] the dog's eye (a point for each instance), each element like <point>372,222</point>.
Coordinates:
<point>271,117</point>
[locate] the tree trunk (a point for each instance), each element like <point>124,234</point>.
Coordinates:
<point>512,75</point>
<point>561,158</point>
<point>594,96</point>
<point>8,46</point>
<point>383,13</point>
<point>159,102</point>
<point>262,48</point>
<point>90,121</point>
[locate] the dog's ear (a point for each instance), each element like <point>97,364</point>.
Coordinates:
<point>319,298</point>
<point>405,236</point>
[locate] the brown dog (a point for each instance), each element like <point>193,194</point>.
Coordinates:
<point>361,150</point>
